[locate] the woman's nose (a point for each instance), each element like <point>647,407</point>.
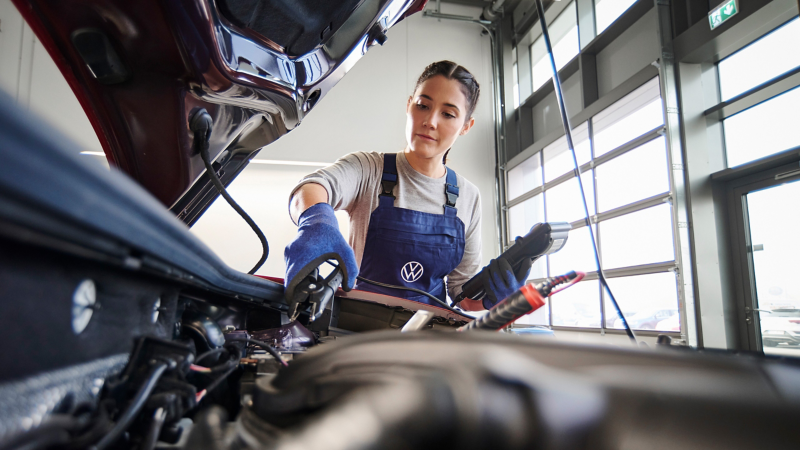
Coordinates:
<point>429,121</point>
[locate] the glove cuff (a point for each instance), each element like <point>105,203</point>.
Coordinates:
<point>321,213</point>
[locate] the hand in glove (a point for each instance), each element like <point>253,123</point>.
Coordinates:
<point>502,281</point>
<point>318,240</point>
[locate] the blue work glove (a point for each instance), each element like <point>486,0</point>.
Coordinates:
<point>318,240</point>
<point>503,281</point>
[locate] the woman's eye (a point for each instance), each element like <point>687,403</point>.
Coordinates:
<point>449,116</point>
<point>421,106</point>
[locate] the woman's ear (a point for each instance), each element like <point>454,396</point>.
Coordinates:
<point>467,126</point>
<point>408,103</point>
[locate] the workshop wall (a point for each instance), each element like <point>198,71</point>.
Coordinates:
<point>364,112</point>
<point>29,75</point>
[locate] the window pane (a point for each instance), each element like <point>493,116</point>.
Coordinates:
<point>525,215</point>
<point>773,231</point>
<point>564,38</point>
<point>760,61</point>
<point>525,177</point>
<point>642,237</point>
<point>558,158</point>
<point>539,317</point>
<point>649,302</point>
<point>516,86</point>
<point>564,203</point>
<point>578,306</point>
<point>762,130</point>
<point>607,11</point>
<point>630,117</point>
<point>644,168</point>
<point>540,70</point>
<point>577,254</point>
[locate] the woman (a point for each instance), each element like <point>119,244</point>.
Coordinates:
<point>414,221</point>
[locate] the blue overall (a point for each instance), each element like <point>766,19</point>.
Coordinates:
<point>411,248</point>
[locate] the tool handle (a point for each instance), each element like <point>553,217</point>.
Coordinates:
<point>543,238</point>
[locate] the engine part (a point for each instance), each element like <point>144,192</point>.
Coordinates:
<point>481,391</point>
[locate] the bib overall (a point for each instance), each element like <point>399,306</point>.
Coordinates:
<point>411,248</point>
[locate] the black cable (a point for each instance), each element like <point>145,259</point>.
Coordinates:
<point>133,409</point>
<point>418,291</point>
<point>202,133</point>
<point>567,131</point>
<point>154,430</point>
<point>403,288</point>
<point>271,350</point>
<point>219,380</point>
<point>205,355</point>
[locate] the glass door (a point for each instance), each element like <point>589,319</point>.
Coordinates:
<point>772,218</point>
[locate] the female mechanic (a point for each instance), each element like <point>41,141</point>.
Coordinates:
<point>413,220</point>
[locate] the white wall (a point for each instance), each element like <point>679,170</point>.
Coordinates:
<point>364,112</point>
<point>29,76</point>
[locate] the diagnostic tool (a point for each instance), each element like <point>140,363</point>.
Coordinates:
<point>543,239</point>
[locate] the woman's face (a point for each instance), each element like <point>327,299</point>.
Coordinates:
<point>435,116</point>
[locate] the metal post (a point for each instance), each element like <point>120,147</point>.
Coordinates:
<point>680,214</point>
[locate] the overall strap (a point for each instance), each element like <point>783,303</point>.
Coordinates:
<point>388,180</point>
<point>450,192</point>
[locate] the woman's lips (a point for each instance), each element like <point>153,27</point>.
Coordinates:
<point>425,136</point>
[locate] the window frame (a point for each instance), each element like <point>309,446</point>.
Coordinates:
<point>744,275</point>
<point>597,218</point>
<point>752,97</point>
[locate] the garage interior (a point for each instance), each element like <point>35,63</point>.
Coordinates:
<point>686,135</point>
<point>131,322</point>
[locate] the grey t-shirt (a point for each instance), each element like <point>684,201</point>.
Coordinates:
<point>353,184</point>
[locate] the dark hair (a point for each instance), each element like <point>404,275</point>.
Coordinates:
<point>452,71</point>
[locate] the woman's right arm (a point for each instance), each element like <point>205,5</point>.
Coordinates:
<point>339,184</point>
<point>307,196</point>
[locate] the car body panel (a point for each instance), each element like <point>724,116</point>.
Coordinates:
<point>177,57</point>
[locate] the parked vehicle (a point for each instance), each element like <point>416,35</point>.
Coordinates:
<point>647,319</point>
<point>672,323</point>
<point>780,327</point>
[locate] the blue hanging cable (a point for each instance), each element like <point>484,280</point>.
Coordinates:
<point>567,130</point>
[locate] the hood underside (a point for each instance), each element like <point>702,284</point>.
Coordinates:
<point>140,70</point>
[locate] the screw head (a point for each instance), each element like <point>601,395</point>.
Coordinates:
<point>84,302</point>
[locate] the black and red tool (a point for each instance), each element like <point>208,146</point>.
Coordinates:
<point>526,300</point>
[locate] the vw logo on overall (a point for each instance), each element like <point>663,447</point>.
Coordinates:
<point>411,272</point>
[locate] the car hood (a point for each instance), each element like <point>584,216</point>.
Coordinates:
<point>140,70</point>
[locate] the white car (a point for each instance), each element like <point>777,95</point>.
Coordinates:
<point>781,326</point>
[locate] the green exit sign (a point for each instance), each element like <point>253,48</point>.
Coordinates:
<point>722,13</point>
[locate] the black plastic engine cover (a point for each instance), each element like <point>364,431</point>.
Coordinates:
<point>496,390</point>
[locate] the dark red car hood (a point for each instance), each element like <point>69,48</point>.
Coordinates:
<point>140,69</point>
